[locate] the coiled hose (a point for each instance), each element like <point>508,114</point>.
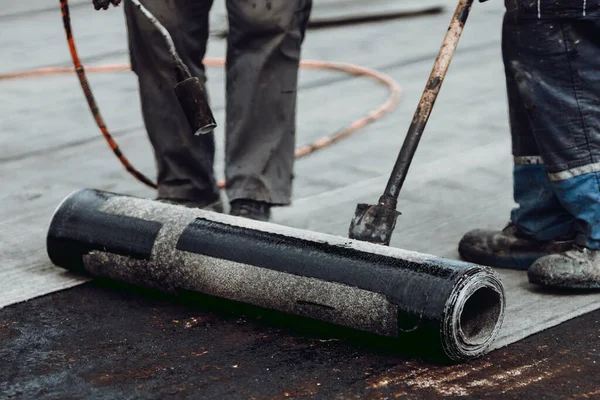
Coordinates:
<point>395,92</point>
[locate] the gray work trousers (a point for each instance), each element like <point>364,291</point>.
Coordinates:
<point>263,54</point>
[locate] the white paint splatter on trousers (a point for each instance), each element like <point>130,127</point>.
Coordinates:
<point>539,8</point>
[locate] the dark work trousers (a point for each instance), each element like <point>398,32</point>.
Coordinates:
<point>263,54</point>
<point>551,54</point>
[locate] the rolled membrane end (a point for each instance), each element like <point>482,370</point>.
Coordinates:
<point>473,316</point>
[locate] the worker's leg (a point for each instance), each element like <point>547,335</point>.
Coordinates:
<point>540,225</point>
<point>184,161</point>
<point>539,213</point>
<point>564,91</point>
<point>264,44</point>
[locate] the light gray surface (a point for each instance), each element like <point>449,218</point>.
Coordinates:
<point>460,178</point>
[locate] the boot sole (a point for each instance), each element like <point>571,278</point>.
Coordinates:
<point>562,283</point>
<point>520,262</point>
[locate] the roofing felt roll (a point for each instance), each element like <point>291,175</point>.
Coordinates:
<point>454,306</point>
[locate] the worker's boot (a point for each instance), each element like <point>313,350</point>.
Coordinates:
<point>508,248</point>
<point>215,206</point>
<point>251,209</point>
<point>578,268</point>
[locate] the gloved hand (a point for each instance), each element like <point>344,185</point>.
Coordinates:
<point>104,4</point>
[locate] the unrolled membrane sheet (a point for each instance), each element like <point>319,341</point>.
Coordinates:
<point>454,307</point>
<point>469,186</point>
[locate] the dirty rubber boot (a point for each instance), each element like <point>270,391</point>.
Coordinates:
<point>214,206</point>
<point>507,248</point>
<point>578,268</point>
<point>251,209</point>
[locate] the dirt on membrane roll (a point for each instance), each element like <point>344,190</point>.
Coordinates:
<point>455,306</point>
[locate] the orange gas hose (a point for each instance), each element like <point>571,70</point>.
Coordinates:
<point>391,102</point>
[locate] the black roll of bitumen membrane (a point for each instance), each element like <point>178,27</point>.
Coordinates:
<point>453,306</point>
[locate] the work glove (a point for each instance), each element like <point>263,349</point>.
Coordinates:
<point>104,4</point>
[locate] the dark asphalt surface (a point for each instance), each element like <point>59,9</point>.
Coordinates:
<point>114,341</point>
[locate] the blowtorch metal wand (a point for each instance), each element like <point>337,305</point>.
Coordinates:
<point>189,89</point>
<point>376,223</point>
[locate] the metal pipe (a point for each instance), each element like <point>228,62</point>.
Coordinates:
<point>427,102</point>
<point>181,69</point>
